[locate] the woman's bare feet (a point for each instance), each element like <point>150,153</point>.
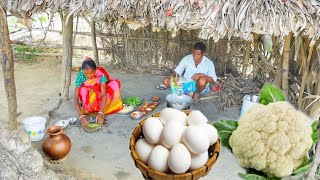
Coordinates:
<point>196,97</point>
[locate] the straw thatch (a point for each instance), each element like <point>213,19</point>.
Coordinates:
<point>216,19</point>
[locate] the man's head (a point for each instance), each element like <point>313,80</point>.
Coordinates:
<point>89,68</point>
<point>199,50</point>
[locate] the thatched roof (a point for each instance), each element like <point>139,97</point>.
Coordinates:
<point>215,19</point>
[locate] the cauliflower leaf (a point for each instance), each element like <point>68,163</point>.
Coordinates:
<point>271,93</point>
<point>249,176</point>
<point>304,168</point>
<point>315,132</point>
<point>225,129</point>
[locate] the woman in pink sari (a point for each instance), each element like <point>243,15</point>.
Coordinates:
<point>96,92</point>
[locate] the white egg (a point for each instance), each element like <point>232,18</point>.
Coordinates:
<point>168,114</point>
<point>179,159</point>
<point>172,134</point>
<point>198,160</point>
<point>152,129</point>
<point>212,133</point>
<point>196,139</point>
<point>143,149</point>
<point>180,117</point>
<point>196,117</point>
<point>158,159</point>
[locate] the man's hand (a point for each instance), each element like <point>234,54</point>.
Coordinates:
<point>176,80</point>
<point>197,76</point>
<point>99,118</point>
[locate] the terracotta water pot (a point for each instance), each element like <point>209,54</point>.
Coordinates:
<point>57,145</point>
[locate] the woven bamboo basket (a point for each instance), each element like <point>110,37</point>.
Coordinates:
<point>149,173</point>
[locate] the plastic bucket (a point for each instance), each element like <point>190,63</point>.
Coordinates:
<point>35,127</point>
<point>248,102</point>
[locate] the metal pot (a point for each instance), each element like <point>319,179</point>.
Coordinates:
<point>181,102</point>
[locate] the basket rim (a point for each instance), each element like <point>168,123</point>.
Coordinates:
<point>208,165</point>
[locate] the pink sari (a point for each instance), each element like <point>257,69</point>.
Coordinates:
<point>90,94</point>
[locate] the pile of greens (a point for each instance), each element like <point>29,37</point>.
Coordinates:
<point>132,101</point>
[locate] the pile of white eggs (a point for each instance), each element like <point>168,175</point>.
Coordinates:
<point>176,141</point>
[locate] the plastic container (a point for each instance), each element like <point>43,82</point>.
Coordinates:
<point>35,127</point>
<point>248,102</point>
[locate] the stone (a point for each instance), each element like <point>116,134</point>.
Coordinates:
<point>19,160</point>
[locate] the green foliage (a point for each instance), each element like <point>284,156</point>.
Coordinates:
<point>304,168</point>
<point>271,93</point>
<point>225,129</point>
<point>248,176</point>
<point>26,53</point>
<point>315,132</point>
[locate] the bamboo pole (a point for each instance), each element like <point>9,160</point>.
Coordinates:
<point>255,54</point>
<point>246,59</point>
<point>278,57</point>
<point>285,63</point>
<point>67,56</point>
<point>94,42</point>
<point>305,72</point>
<point>8,74</point>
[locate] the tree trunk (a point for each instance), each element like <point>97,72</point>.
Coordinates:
<point>278,58</point>
<point>94,42</point>
<point>246,59</point>
<point>255,54</point>
<point>67,56</point>
<point>75,34</point>
<point>285,63</point>
<point>8,73</point>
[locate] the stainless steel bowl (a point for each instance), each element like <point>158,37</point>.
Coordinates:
<point>181,102</point>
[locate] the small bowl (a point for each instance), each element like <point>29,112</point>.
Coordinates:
<point>141,109</point>
<point>155,98</point>
<point>146,104</point>
<point>155,103</point>
<point>152,106</point>
<point>149,109</point>
<point>136,115</point>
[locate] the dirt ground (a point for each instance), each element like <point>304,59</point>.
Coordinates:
<point>105,153</point>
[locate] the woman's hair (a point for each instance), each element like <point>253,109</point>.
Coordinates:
<point>88,64</point>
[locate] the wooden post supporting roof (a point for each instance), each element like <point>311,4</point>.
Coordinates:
<point>285,63</point>
<point>67,55</point>
<point>8,73</point>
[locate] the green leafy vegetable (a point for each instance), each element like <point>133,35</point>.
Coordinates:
<point>255,177</point>
<point>304,168</point>
<point>132,101</point>
<point>315,132</point>
<point>93,125</point>
<point>271,93</point>
<point>225,129</point>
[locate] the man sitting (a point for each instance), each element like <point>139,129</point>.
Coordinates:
<point>195,73</point>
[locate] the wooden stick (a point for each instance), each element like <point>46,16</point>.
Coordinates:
<point>8,74</point>
<point>285,63</point>
<point>255,54</point>
<point>246,59</point>
<point>305,73</point>
<point>67,56</point>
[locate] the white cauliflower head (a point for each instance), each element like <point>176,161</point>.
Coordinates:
<point>273,138</point>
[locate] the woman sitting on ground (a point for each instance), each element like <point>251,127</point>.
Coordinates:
<point>96,92</point>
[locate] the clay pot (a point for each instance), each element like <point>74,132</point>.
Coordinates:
<point>57,145</point>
